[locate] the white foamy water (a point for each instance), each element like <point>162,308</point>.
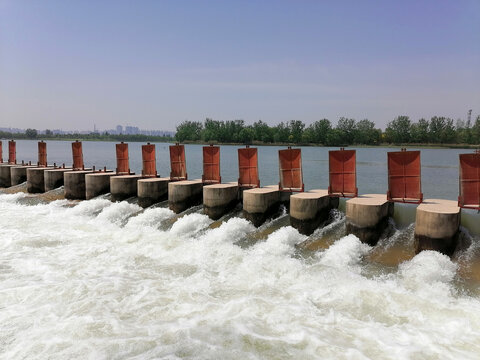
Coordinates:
<point>110,281</point>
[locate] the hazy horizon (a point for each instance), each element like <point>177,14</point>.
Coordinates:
<point>70,65</point>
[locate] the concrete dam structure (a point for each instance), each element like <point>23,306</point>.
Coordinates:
<point>437,221</point>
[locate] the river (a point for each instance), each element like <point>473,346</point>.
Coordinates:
<point>102,280</point>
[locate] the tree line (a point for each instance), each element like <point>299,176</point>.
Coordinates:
<point>32,134</point>
<point>401,130</point>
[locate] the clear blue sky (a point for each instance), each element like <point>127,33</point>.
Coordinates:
<point>153,64</point>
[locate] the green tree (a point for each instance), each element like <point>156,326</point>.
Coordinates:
<point>189,130</point>
<point>347,129</point>
<point>398,130</point>
<point>419,131</point>
<point>308,136</point>
<point>464,132</point>
<point>476,131</point>
<point>334,138</point>
<point>436,128</point>
<point>448,132</point>
<point>212,130</point>
<point>246,135</point>
<point>366,133</point>
<point>281,133</point>
<point>229,131</point>
<point>296,130</point>
<point>262,131</point>
<point>320,130</point>
<point>31,133</point>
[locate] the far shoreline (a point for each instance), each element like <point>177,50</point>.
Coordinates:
<point>256,143</point>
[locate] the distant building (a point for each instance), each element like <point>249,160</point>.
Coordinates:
<point>12,130</point>
<point>119,129</point>
<point>132,130</point>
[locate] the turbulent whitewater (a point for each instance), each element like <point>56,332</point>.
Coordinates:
<point>105,280</point>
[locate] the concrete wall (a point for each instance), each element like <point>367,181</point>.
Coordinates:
<point>36,180</point>
<point>5,177</point>
<point>367,216</point>
<point>97,183</point>
<point>74,184</point>
<point>18,174</point>
<point>311,209</point>
<point>437,225</point>
<point>53,179</point>
<point>261,203</point>
<point>123,186</point>
<point>219,199</point>
<point>152,190</point>
<point>184,194</point>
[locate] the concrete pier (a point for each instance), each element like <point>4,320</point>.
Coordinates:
<point>152,190</point>
<point>309,210</point>
<point>97,183</point>
<point>74,183</point>
<point>123,186</point>
<point>367,216</point>
<point>54,178</point>
<point>261,203</point>
<point>218,199</point>
<point>436,226</point>
<point>18,174</point>
<point>5,177</point>
<point>184,194</point>
<point>35,179</point>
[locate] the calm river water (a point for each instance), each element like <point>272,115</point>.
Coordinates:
<point>439,166</point>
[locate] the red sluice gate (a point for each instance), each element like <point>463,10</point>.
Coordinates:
<point>404,177</point>
<point>77,155</point>
<point>1,152</point>
<point>12,152</point>
<point>178,165</point>
<point>469,182</point>
<point>342,166</point>
<point>122,159</point>
<point>42,153</point>
<point>290,166</point>
<point>211,165</point>
<point>248,168</point>
<point>149,161</point>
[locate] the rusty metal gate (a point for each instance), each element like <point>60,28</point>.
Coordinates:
<point>248,168</point>
<point>77,154</point>
<point>404,177</point>
<point>469,181</point>
<point>211,165</point>
<point>290,168</point>
<point>342,173</point>
<point>42,153</point>
<point>12,152</point>
<point>123,167</point>
<point>149,161</point>
<point>178,164</point>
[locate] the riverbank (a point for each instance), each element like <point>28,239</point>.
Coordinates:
<point>154,139</point>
